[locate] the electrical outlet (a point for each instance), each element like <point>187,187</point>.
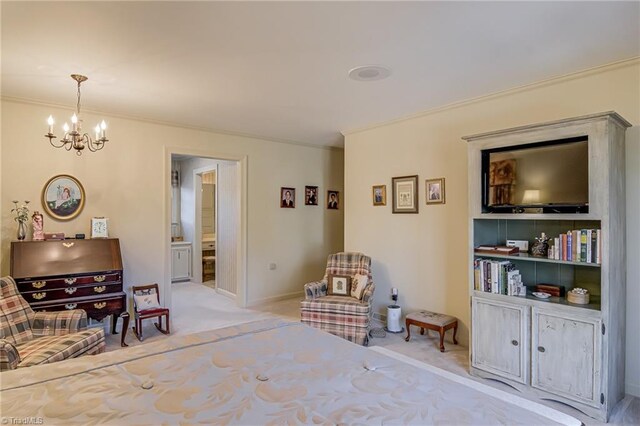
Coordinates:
<point>272,266</point>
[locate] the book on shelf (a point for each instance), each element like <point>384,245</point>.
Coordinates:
<point>504,250</point>
<point>582,245</point>
<point>498,277</point>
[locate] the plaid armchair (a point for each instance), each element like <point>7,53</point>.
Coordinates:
<point>346,317</point>
<point>30,338</point>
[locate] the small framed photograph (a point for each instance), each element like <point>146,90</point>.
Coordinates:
<point>434,189</point>
<point>288,198</point>
<point>333,200</point>
<point>310,195</point>
<point>405,194</point>
<point>63,197</point>
<point>339,285</point>
<point>379,194</point>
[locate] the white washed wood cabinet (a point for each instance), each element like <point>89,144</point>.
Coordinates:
<point>568,353</point>
<point>181,262</point>
<point>565,355</point>
<point>501,339</point>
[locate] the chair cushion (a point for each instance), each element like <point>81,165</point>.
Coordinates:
<point>427,317</point>
<point>336,305</point>
<point>145,302</point>
<point>50,349</point>
<point>15,324</point>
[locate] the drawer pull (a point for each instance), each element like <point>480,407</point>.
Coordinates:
<point>39,284</point>
<point>100,305</point>
<point>99,289</point>
<point>70,290</point>
<point>99,278</point>
<point>39,296</point>
<point>514,342</point>
<point>68,245</point>
<point>70,306</point>
<point>541,349</point>
<point>70,281</point>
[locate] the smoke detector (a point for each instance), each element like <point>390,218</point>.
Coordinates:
<point>369,73</point>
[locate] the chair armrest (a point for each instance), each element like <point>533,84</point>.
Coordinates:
<point>59,323</point>
<point>9,356</point>
<point>367,295</point>
<point>315,289</point>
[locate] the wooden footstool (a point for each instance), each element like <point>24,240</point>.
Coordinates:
<point>432,321</point>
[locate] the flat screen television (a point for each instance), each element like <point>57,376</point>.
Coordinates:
<point>543,177</point>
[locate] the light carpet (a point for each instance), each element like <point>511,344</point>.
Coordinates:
<point>195,308</point>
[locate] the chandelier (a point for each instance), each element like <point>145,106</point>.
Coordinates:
<point>73,137</point>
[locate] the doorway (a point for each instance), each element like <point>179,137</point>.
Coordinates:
<point>207,206</point>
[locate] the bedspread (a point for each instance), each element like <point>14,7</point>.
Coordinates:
<point>264,372</point>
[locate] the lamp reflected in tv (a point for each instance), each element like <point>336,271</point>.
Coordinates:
<point>531,196</point>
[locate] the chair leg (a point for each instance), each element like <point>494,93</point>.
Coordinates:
<point>159,324</point>
<point>168,324</point>
<point>138,329</point>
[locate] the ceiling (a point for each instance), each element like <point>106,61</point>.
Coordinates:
<point>279,70</point>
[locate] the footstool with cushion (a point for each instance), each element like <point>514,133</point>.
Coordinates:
<point>432,321</point>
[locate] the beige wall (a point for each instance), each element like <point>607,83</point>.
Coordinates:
<point>125,182</point>
<point>424,255</point>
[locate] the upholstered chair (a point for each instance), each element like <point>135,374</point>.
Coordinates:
<point>342,315</point>
<point>30,338</point>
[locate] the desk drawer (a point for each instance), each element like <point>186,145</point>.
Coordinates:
<point>71,292</point>
<point>96,307</point>
<point>65,282</point>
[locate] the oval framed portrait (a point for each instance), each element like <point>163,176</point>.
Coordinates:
<point>63,197</point>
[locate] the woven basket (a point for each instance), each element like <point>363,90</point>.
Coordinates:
<point>578,299</point>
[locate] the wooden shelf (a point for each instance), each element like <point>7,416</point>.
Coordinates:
<point>529,258</point>
<point>530,298</point>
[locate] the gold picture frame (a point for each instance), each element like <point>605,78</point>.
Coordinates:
<point>435,191</point>
<point>63,197</point>
<point>379,195</point>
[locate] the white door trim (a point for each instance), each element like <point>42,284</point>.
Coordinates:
<point>242,290</point>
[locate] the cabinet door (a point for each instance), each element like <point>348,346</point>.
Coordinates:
<point>180,263</point>
<point>565,356</point>
<point>500,341</point>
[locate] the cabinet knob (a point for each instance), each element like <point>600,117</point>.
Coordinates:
<point>514,342</point>
<point>541,349</point>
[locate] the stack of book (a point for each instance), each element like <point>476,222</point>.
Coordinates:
<point>580,245</point>
<point>500,277</point>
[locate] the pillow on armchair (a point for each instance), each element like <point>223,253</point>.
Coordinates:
<point>358,284</point>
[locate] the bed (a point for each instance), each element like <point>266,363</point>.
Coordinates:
<point>264,372</point>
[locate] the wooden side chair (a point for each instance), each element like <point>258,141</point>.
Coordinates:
<point>146,303</point>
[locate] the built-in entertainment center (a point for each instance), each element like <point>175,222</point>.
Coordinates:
<point>550,322</point>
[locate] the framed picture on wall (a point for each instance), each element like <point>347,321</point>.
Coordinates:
<point>379,195</point>
<point>333,200</point>
<point>287,198</point>
<point>63,197</point>
<point>405,194</point>
<point>435,191</point>
<point>310,195</point>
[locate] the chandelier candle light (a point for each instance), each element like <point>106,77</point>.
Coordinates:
<point>74,138</point>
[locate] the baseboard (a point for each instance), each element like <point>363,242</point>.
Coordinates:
<point>226,293</point>
<point>271,299</point>
<point>632,389</point>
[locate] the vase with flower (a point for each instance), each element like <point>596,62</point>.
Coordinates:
<point>22,216</point>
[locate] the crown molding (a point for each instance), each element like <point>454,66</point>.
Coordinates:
<point>531,86</point>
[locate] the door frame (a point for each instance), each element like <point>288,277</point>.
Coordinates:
<point>241,264</point>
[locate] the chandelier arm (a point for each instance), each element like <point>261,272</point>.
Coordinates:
<point>55,145</point>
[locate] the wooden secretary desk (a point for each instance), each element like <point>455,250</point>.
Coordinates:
<point>55,275</point>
